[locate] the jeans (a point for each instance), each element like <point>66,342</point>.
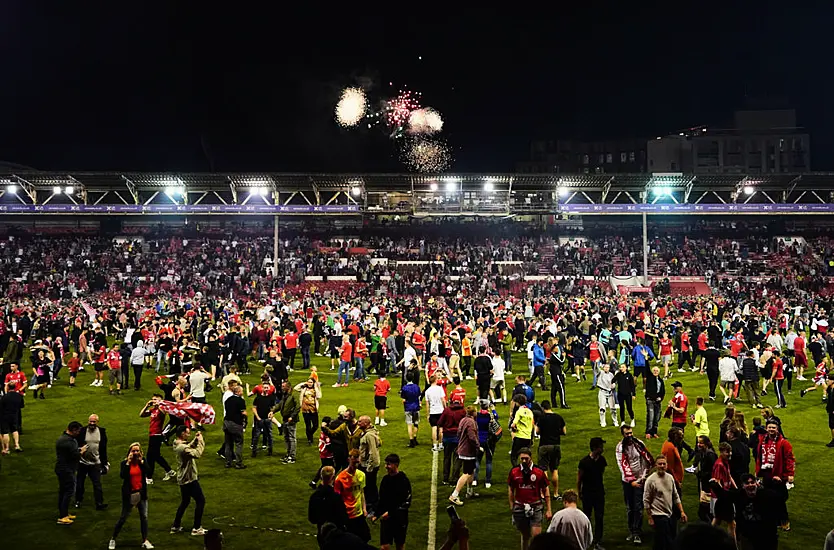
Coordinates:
<point>597,368</point>
<point>392,362</point>
<point>594,505</point>
<point>450,445</point>
<point>154,455</point>
<point>263,426</point>
<point>488,453</point>
<point>752,389</point>
<point>288,429</point>
<point>305,357</point>
<point>652,415</point>
<point>66,490</point>
<point>143,518</point>
<point>233,447</point>
<point>359,373</point>
<point>344,367</point>
<point>634,507</point>
<point>508,360</point>
<point>95,476</point>
<point>311,424</point>
<point>190,491</point>
<point>664,533</point>
<point>371,488</point>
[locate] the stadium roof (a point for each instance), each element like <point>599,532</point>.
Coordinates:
<point>413,193</point>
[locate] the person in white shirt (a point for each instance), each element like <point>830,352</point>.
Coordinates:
<point>605,397</point>
<point>197,382</point>
<point>530,345</point>
<point>496,384</point>
<point>727,371</point>
<point>572,523</point>
<point>435,402</point>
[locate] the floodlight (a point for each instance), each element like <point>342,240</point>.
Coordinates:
<point>749,189</point>
<point>661,191</point>
<point>170,191</point>
<point>181,190</point>
<point>489,187</point>
<point>356,191</point>
<point>56,190</point>
<point>451,186</point>
<point>69,190</point>
<point>11,188</point>
<point>563,191</point>
<point>433,186</point>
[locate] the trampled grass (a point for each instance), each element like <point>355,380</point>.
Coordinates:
<point>273,497</point>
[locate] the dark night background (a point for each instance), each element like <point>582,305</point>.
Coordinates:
<point>162,86</point>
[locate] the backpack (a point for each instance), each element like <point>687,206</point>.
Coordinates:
<point>495,429</point>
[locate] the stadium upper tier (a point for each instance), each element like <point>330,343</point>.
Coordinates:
<point>25,192</point>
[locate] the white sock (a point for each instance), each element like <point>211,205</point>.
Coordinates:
<point>455,493</point>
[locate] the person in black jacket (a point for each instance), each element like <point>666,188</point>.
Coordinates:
<point>67,455</point>
<point>626,393</point>
<point>134,472</point>
<point>740,457</point>
<point>393,504</point>
<point>655,392</point>
<point>94,461</point>
<point>757,513</point>
<point>325,504</point>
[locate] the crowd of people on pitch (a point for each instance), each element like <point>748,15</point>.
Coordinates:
<point>625,347</point>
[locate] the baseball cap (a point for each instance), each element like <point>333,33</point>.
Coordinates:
<point>677,384</point>
<point>341,410</point>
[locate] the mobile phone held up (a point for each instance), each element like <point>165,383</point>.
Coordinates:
<point>453,513</point>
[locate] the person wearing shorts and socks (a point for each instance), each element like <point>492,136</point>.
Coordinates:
<point>529,497</point>
<point>551,428</point>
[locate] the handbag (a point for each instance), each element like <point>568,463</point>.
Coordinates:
<point>135,498</point>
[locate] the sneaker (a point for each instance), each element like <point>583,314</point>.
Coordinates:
<point>637,540</point>
<point>77,505</point>
<point>111,545</point>
<point>336,386</point>
<point>603,425</point>
<point>312,484</point>
<point>149,481</point>
<point>764,392</point>
<point>65,521</point>
<point>147,545</point>
<point>175,530</point>
<point>198,532</point>
<point>630,538</point>
<point>681,370</point>
<point>475,483</point>
<point>101,507</point>
<point>830,444</point>
<point>712,398</point>
<point>802,393</point>
<point>376,421</point>
<point>489,485</point>
<point>170,475</point>
<point>344,385</point>
<point>455,500</point>
<point>598,546</point>
<point>691,469</point>
<point>383,423</point>
<point>632,423</point>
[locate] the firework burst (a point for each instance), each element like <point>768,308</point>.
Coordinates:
<point>351,107</point>
<point>426,155</point>
<point>425,121</point>
<point>398,110</point>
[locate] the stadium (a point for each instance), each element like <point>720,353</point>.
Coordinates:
<point>234,269</point>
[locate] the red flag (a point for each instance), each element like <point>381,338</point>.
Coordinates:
<point>201,413</point>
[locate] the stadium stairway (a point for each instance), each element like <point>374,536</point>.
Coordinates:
<point>546,259</point>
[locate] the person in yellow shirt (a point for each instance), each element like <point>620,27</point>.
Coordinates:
<point>699,419</point>
<point>521,426</point>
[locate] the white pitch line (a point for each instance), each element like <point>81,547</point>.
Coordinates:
<point>433,499</point>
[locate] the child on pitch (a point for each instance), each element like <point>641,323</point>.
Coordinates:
<point>820,375</point>
<point>74,364</point>
<point>605,383</point>
<point>381,389</point>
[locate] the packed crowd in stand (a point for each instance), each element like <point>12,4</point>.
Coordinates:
<point>212,311</point>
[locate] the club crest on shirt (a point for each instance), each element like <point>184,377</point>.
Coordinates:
<point>533,477</point>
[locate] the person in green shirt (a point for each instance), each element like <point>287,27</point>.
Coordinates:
<point>521,427</point>
<point>699,419</point>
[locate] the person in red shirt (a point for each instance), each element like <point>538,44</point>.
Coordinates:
<point>703,342</point>
<point>458,393</point>
<point>686,352</point>
<point>778,377</point>
<point>666,351</point>
<point>114,362</point>
<point>74,364</point>
<point>290,344</point>
<point>800,359</point>
<point>155,438</point>
<point>345,356</point>
<point>529,489</point>
<point>100,365</point>
<point>361,354</point>
<point>679,404</point>
<point>16,380</point>
<point>381,389</point>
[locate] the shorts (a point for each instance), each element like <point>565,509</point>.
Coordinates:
<point>115,376</point>
<point>334,353</point>
<point>392,531</point>
<point>722,509</point>
<point>549,457</point>
<point>831,421</point>
<point>730,386</point>
<point>666,359</point>
<point>433,418</point>
<point>99,367</point>
<point>468,466</point>
<point>412,418</point>
<point>639,372</point>
<point>380,402</point>
<point>496,385</point>
<point>43,379</point>
<point>8,425</point>
<point>198,399</point>
<point>765,374</point>
<point>801,359</point>
<point>522,521</point>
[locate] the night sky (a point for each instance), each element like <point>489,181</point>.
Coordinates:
<point>225,89</point>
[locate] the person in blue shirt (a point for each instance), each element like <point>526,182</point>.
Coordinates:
<point>410,394</point>
<point>641,355</point>
<point>538,364</point>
